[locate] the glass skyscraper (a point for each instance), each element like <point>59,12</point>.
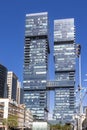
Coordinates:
<point>35,69</point>
<point>64,58</point>
<point>36,51</point>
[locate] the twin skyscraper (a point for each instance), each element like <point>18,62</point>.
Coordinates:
<point>35,71</point>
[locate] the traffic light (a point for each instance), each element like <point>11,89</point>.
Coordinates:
<point>78,49</point>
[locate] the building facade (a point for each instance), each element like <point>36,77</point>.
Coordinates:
<point>18,93</point>
<point>3,81</point>
<point>12,85</point>
<point>40,126</point>
<point>21,95</point>
<point>35,63</point>
<point>11,108</point>
<point>35,69</point>
<point>64,60</point>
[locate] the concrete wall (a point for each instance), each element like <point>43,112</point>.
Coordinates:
<point>40,126</point>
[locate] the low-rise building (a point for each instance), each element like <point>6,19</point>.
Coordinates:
<point>9,107</point>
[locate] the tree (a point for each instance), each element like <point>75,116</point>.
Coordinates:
<point>11,121</point>
<point>56,127</point>
<point>67,127</point>
<point>61,127</point>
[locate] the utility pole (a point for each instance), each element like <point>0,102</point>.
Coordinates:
<point>80,96</point>
<point>78,52</point>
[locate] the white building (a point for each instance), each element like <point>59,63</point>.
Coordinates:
<point>12,85</point>
<point>18,92</point>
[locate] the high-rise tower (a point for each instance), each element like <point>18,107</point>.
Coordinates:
<point>12,85</point>
<point>3,81</point>
<point>35,63</point>
<point>64,58</point>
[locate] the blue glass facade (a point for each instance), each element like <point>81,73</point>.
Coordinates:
<point>64,58</point>
<point>35,69</point>
<point>35,63</point>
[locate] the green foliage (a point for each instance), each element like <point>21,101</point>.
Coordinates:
<point>11,121</point>
<point>67,127</point>
<point>56,127</point>
<point>60,127</point>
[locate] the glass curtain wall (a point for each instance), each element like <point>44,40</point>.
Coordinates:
<point>64,58</point>
<point>35,63</point>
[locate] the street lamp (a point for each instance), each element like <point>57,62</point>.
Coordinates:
<point>78,53</point>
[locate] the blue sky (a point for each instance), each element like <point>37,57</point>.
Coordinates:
<point>12,27</point>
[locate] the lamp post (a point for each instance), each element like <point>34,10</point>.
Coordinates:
<point>78,53</point>
<point>80,95</point>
